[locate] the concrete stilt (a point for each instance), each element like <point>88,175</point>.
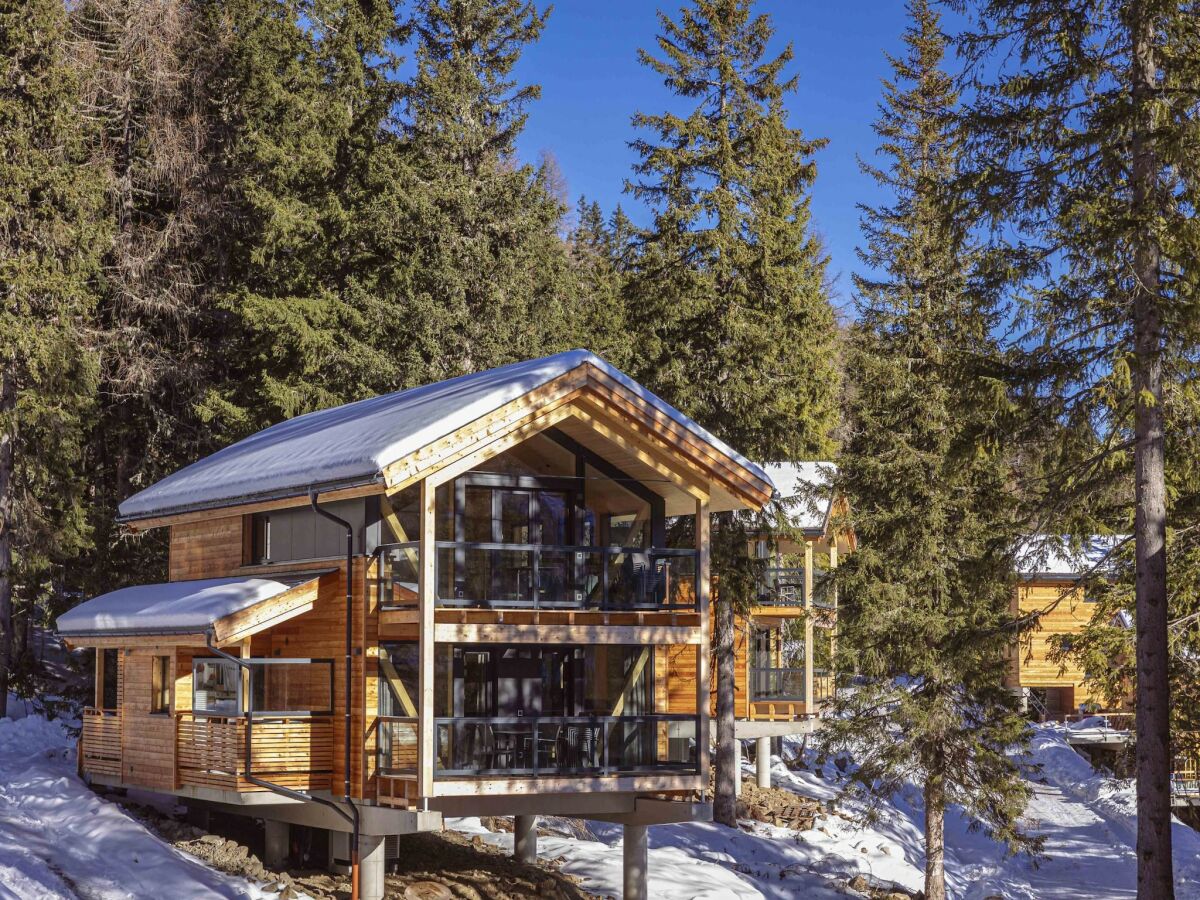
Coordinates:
<point>525,838</point>
<point>275,846</point>
<point>636,865</point>
<point>762,760</point>
<point>339,852</point>
<point>372,867</point>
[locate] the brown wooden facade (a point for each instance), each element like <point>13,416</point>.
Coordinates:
<point>154,735</point>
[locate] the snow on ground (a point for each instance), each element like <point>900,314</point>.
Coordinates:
<point>59,840</point>
<point>1088,821</point>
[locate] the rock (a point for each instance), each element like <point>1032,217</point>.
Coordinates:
<point>215,839</point>
<point>860,883</point>
<point>427,890</point>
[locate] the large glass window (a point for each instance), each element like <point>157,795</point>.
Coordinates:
<point>216,687</point>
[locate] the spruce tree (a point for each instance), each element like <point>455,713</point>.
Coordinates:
<point>313,169</point>
<point>487,277</point>
<point>728,300</point>
<point>601,255</point>
<point>1082,141</point>
<point>924,614</point>
<point>50,227</point>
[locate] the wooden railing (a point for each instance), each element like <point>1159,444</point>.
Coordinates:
<point>100,743</point>
<point>295,752</point>
<point>1185,768</point>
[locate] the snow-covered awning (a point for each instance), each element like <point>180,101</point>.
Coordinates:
<point>351,447</point>
<point>188,607</point>
<point>1057,558</point>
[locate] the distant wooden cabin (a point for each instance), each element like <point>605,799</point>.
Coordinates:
<point>1052,582</point>
<point>521,637</point>
<point>785,645</point>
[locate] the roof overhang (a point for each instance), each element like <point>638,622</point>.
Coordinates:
<point>590,401</point>
<point>186,612</point>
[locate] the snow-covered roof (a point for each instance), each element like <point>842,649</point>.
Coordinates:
<point>1056,557</point>
<point>352,444</point>
<point>807,488</point>
<point>176,607</point>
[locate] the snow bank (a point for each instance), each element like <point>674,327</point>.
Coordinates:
<point>59,840</point>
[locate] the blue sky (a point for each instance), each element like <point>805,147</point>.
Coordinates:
<point>586,63</point>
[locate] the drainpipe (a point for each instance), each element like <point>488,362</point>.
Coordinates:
<point>349,685</point>
<point>351,817</point>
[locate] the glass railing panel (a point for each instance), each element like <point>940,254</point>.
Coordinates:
<point>565,745</point>
<point>777,684</point>
<point>539,576</point>
<point>398,741</point>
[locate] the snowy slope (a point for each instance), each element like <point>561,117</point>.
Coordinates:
<point>59,840</point>
<point>1087,820</point>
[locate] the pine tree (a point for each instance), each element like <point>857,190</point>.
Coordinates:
<point>314,170</point>
<point>925,601</point>
<point>728,300</point>
<point>1091,202</point>
<point>488,278</point>
<point>50,227</point>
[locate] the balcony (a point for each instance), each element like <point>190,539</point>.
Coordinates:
<point>209,751</point>
<point>782,586</point>
<point>565,745</point>
<point>787,684</point>
<point>543,576</point>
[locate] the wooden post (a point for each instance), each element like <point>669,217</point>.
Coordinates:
<point>809,705</point>
<point>426,588</point>
<point>703,574</point>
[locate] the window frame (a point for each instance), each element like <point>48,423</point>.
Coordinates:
<point>160,685</point>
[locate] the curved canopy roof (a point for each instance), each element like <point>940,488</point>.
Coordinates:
<point>352,445</point>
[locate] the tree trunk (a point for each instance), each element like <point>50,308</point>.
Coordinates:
<point>1150,520</point>
<point>725,800</point>
<point>935,838</point>
<point>8,401</point>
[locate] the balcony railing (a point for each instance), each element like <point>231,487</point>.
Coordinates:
<point>784,586</point>
<point>543,576</point>
<point>565,745</point>
<point>769,683</point>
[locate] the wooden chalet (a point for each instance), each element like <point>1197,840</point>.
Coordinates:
<point>785,645</point>
<point>1052,581</point>
<point>456,599</point>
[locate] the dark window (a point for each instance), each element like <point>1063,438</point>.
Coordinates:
<point>160,685</point>
<point>110,679</point>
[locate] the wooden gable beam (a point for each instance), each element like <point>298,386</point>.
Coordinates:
<point>266,614</point>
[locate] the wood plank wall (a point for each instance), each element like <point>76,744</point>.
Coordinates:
<point>212,548</point>
<point>1069,616</point>
<point>147,739</point>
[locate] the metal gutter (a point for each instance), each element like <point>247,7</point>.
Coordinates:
<point>248,499</point>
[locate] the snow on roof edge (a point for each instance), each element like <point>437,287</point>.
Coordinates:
<point>276,457</point>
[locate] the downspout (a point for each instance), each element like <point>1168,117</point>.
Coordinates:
<point>349,685</point>
<point>350,817</point>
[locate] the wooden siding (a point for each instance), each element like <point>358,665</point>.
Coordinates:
<point>1067,613</point>
<point>212,548</point>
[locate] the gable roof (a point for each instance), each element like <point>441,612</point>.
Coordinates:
<point>807,488</point>
<point>1056,558</point>
<point>175,607</point>
<point>351,446</point>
